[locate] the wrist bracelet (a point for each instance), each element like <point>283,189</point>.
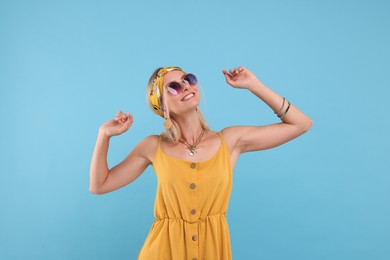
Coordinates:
<point>280,110</point>
<point>285,112</point>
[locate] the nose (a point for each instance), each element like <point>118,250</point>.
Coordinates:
<point>185,86</point>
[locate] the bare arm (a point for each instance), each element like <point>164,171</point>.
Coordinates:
<point>102,179</point>
<point>99,168</point>
<point>254,138</point>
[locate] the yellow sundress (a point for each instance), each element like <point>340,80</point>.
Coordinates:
<point>190,208</point>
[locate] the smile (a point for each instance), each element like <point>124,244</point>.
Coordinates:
<point>188,96</point>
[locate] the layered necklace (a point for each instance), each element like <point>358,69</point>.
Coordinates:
<point>192,147</point>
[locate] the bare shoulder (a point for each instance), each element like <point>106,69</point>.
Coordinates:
<point>231,135</point>
<point>151,140</point>
<point>148,146</point>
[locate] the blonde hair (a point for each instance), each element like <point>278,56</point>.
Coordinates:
<point>172,134</point>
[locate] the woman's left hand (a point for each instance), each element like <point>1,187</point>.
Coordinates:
<point>240,78</point>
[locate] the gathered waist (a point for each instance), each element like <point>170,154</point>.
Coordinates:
<point>218,214</point>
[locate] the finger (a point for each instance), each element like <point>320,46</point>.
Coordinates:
<point>122,120</point>
<point>232,72</point>
<point>130,117</point>
<point>118,114</point>
<point>129,121</point>
<point>122,117</point>
<point>228,78</point>
<point>225,73</point>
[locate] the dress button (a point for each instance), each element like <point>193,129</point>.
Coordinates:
<point>194,258</point>
<point>192,186</point>
<point>194,237</point>
<point>193,212</point>
<point>193,165</point>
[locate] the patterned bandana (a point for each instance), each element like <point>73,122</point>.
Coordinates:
<point>157,89</point>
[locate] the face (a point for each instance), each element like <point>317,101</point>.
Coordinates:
<point>180,92</point>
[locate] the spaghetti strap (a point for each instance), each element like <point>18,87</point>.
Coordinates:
<point>224,143</point>
<point>158,150</point>
<point>159,142</point>
<point>221,135</point>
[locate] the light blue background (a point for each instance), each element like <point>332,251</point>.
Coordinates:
<point>68,66</point>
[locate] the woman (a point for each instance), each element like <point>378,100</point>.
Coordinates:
<point>193,164</point>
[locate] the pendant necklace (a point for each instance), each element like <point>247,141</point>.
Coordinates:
<point>192,148</point>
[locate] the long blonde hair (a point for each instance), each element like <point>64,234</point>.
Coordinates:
<point>172,134</point>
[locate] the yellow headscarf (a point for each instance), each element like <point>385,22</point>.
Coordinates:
<point>157,89</point>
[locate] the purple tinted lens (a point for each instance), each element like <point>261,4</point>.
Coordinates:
<point>174,88</point>
<point>191,79</point>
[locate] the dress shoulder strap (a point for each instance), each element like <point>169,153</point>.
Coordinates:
<point>221,136</point>
<point>158,150</point>
<point>224,144</point>
<point>159,142</point>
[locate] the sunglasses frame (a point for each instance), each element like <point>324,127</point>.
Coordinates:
<point>176,91</point>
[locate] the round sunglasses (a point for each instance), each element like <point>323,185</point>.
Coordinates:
<point>175,88</point>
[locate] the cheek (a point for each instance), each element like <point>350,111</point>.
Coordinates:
<point>172,102</point>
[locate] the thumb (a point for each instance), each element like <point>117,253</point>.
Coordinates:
<point>128,122</point>
<point>129,117</point>
<point>228,77</point>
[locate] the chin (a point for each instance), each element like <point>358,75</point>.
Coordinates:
<point>184,111</point>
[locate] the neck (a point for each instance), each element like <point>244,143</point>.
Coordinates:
<point>190,127</point>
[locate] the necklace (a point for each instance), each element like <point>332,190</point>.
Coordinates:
<point>192,147</point>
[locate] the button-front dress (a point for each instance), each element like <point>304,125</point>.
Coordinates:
<point>190,208</point>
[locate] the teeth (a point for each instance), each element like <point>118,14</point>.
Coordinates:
<point>188,96</point>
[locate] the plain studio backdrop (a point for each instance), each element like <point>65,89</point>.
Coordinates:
<point>66,67</point>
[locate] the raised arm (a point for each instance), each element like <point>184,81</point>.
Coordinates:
<point>253,138</point>
<point>103,179</point>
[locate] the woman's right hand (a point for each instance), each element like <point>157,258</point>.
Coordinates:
<point>120,124</point>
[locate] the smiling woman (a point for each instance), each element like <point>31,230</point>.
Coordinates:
<point>169,85</point>
<point>193,164</point>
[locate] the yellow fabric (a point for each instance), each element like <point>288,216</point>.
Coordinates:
<point>191,200</point>
<point>157,89</point>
